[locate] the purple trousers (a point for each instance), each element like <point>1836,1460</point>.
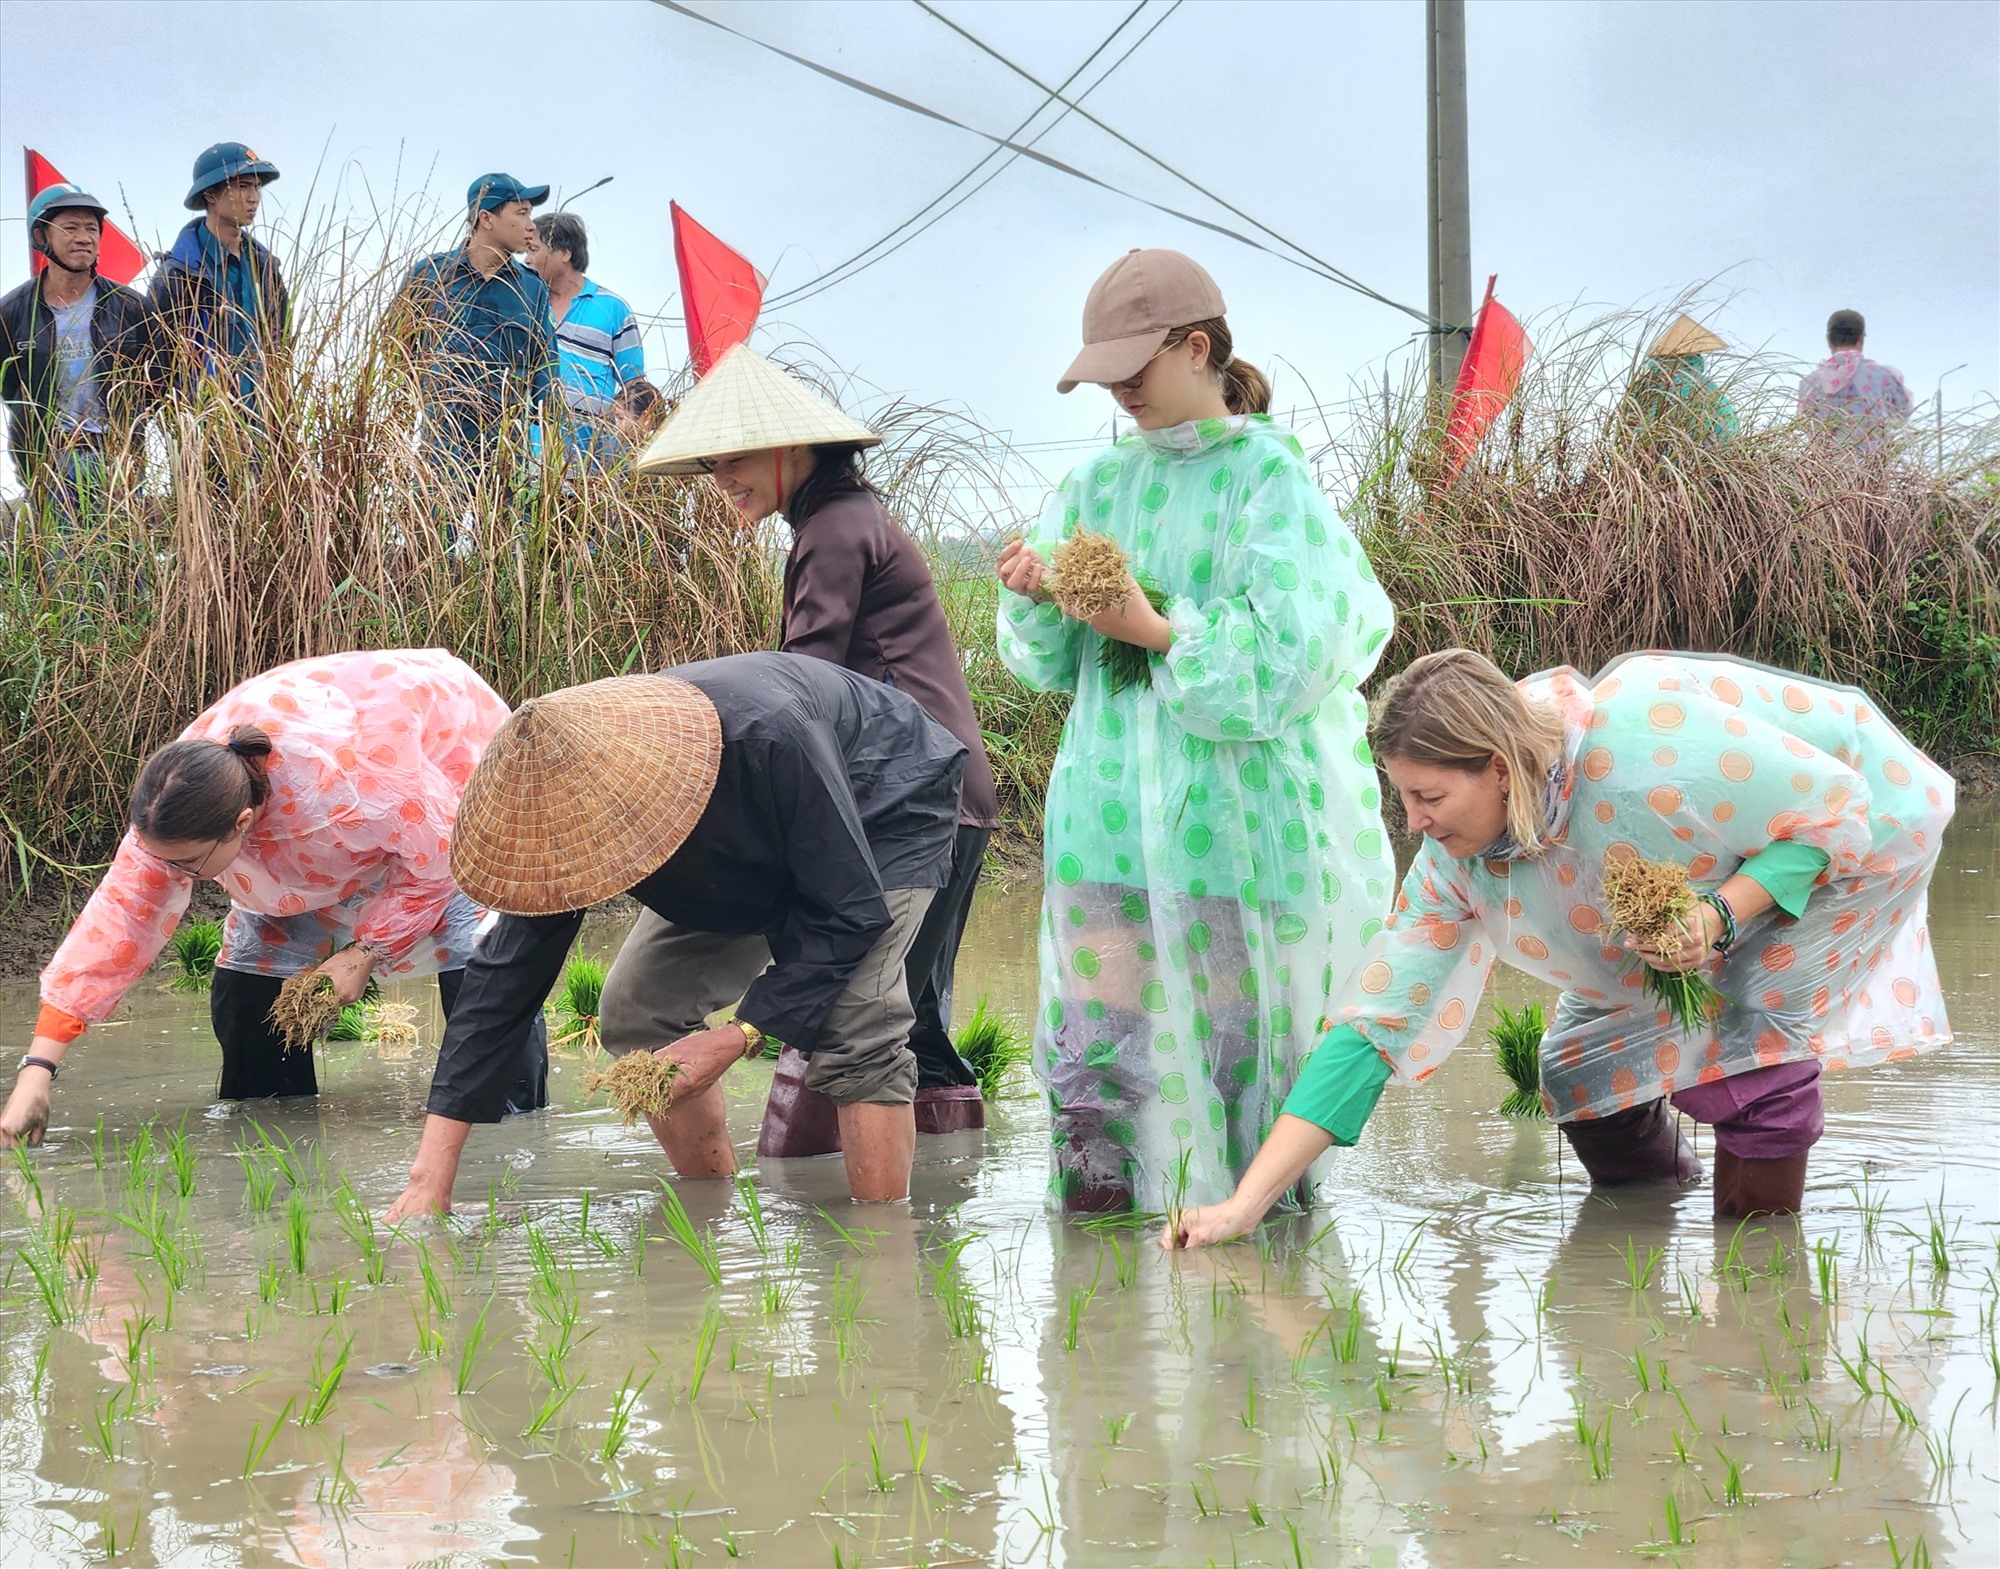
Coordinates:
<point>1765,1114</point>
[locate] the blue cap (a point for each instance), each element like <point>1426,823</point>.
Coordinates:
<point>497,190</point>
<point>224,162</point>
<point>63,198</point>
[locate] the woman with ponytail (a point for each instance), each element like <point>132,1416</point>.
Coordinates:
<point>1214,845</point>
<point>321,796</point>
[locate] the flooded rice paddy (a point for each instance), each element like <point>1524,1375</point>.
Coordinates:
<point>213,1355</point>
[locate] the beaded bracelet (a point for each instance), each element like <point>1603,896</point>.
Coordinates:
<point>1720,905</point>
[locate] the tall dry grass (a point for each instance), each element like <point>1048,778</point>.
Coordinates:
<point>1587,525</point>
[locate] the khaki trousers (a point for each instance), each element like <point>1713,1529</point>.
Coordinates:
<point>668,979</point>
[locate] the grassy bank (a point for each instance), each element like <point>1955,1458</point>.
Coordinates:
<point>1583,528</point>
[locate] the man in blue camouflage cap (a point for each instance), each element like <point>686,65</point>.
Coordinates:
<point>481,333</point>
<point>77,360</point>
<point>218,292</point>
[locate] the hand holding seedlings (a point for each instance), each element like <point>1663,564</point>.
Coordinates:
<point>1021,571</point>
<point>1681,945</point>
<point>349,971</point>
<point>703,1057</point>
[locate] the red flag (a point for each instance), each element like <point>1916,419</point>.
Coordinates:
<point>117,257</point>
<point>1492,370</point>
<point>721,292</point>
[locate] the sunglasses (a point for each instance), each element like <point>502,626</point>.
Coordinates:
<point>1131,382</point>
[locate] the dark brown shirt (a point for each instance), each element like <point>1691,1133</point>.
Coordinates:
<point>858,593</point>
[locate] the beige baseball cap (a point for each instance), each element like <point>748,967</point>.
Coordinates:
<point>1141,298</point>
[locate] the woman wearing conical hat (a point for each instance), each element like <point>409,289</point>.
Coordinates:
<point>1674,385</point>
<point>858,593</point>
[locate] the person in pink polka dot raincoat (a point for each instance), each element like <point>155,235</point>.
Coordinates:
<point>321,796</point>
<point>1809,824</point>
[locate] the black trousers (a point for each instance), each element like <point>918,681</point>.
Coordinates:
<point>934,956</point>
<point>255,1062</point>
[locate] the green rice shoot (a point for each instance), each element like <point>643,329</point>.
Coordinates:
<point>993,1045</point>
<point>576,1007</point>
<point>195,946</point>
<point>1517,1044</point>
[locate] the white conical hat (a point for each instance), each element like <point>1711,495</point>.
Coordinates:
<point>1685,336</point>
<point>746,404</point>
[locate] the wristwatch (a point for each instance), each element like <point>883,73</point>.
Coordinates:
<point>38,1062</point>
<point>753,1038</point>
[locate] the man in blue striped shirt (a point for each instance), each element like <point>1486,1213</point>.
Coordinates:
<point>597,338</point>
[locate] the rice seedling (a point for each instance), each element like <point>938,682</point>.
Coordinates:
<point>337,1490</point>
<point>97,1145</point>
<point>269,1279</point>
<point>323,1381</point>
<point>954,1295</point>
<point>1918,1557</point>
<point>1594,1439</point>
<point>844,1311</point>
<point>260,1180</point>
<point>1079,1304</point>
<point>559,1396</point>
<point>1732,1478</point>
<point>993,1045</point>
<point>699,1246</point>
<point>704,1349</point>
<point>298,1231</point>
<point>1517,1047</point>
<point>52,1283</point>
<point>41,1369</point>
<point>465,1375</point>
<point>619,1426</point>
<point>358,1222</point>
<point>437,1296</point>
<point>1087,575</point>
<point>881,1479</point>
<point>306,1010</point>
<point>262,1439</point>
<point>194,947</point>
<point>1652,902</point>
<point>104,1418</point>
<point>638,1083</point>
<point>1639,1270</point>
<point>575,1008</point>
<point>181,1157</point>
<point>1826,1259</point>
<point>1346,1346</point>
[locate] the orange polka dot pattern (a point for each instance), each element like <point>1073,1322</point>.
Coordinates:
<point>371,753</point>
<point>1756,755</point>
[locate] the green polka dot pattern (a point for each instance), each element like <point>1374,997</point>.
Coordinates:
<point>1211,835</point>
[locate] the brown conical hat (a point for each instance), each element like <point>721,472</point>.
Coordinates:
<point>585,792</point>
<point>746,404</point>
<point>1685,336</point>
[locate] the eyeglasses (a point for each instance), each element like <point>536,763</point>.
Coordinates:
<point>1131,382</point>
<point>199,865</point>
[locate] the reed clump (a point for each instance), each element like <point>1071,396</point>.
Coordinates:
<point>638,1084</point>
<point>1654,903</point>
<point>1586,525</point>
<point>306,1010</point>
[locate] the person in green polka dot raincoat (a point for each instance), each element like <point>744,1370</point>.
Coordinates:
<point>1215,856</point>
<point>1811,828</point>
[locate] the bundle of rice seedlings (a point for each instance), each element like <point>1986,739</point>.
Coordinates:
<point>638,1083</point>
<point>576,1008</point>
<point>1087,575</point>
<point>1652,901</point>
<point>993,1045</point>
<point>307,1010</point>
<point>394,1031</point>
<point>1517,1044</point>
<point>352,1023</point>
<point>195,946</point>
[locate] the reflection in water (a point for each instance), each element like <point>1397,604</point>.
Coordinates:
<point>1429,1370</point>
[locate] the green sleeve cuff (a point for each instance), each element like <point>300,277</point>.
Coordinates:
<point>1786,870</point>
<point>1339,1085</point>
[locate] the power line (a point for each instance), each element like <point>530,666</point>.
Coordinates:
<point>1318,269</point>
<point>1318,264</point>
<point>827,279</point>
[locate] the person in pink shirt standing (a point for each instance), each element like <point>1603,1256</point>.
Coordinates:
<point>1855,396</point>
<point>321,795</point>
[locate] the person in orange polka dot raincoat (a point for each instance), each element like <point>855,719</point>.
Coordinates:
<point>362,758</point>
<point>1781,795</point>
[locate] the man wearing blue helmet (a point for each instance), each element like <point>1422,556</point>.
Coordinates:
<point>481,331</point>
<point>220,293</point>
<point>77,355</point>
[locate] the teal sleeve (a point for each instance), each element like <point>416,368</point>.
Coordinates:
<point>1339,1085</point>
<point>1786,870</point>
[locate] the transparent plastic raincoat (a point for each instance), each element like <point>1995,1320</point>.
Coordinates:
<point>1707,762</point>
<point>1214,852</point>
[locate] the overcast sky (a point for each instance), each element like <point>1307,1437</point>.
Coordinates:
<point>1808,156</point>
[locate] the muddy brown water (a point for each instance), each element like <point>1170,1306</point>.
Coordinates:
<point>1448,1364</point>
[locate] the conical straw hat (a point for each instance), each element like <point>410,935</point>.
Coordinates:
<point>585,792</point>
<point>1684,336</point>
<point>746,404</point>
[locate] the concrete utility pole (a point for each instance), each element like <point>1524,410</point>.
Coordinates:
<point>1450,186</point>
